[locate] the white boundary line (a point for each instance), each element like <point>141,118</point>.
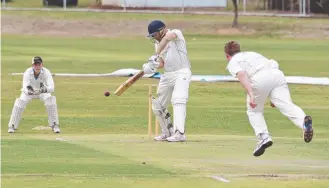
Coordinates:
<point>323,81</point>
<point>218,178</point>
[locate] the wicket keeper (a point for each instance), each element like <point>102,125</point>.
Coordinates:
<point>38,83</point>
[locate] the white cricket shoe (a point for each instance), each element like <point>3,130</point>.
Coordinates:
<point>11,130</point>
<point>161,137</point>
<point>56,129</point>
<point>177,137</point>
<point>262,145</point>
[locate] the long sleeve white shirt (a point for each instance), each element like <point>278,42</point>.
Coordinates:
<point>250,62</point>
<point>44,77</point>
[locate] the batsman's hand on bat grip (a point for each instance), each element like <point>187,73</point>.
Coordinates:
<point>154,60</point>
<point>148,68</point>
<point>154,57</point>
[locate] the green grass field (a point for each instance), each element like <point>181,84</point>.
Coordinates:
<point>104,141</point>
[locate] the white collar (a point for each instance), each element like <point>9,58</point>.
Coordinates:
<point>32,71</point>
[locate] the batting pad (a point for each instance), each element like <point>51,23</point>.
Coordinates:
<point>17,112</point>
<point>51,107</point>
<point>163,117</point>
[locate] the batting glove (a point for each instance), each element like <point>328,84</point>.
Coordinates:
<point>148,68</point>
<point>154,60</point>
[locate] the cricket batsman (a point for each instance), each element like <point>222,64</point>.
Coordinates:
<point>262,78</point>
<point>38,83</point>
<point>171,54</point>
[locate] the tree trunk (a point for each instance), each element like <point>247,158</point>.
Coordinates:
<point>235,21</point>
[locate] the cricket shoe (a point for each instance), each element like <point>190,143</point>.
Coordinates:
<point>161,137</point>
<point>262,145</point>
<point>177,137</point>
<point>56,129</point>
<point>11,129</point>
<point>308,129</point>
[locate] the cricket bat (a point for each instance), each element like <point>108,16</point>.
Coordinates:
<point>128,83</point>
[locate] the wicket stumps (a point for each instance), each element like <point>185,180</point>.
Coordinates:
<point>156,126</point>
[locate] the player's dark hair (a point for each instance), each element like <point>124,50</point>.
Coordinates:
<point>231,48</point>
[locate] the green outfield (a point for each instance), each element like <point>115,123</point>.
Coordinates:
<point>104,141</point>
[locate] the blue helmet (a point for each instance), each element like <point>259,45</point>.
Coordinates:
<point>155,26</point>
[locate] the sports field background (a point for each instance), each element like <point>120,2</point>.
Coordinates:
<point>104,141</point>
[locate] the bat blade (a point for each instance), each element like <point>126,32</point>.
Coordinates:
<point>128,83</point>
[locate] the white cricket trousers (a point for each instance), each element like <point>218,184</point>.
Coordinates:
<point>174,87</point>
<point>271,83</point>
<point>20,105</point>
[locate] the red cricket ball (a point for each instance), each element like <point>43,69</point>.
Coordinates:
<point>107,93</point>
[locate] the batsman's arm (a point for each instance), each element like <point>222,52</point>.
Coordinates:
<point>161,65</point>
<point>49,82</point>
<point>166,39</point>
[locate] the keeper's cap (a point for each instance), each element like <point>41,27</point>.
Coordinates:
<point>36,59</point>
<point>155,26</point>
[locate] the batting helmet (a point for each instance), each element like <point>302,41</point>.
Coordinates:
<point>155,26</point>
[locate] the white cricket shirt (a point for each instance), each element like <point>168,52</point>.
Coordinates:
<point>44,77</point>
<point>175,53</point>
<point>250,62</point>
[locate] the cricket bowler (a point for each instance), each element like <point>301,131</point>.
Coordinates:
<point>262,79</point>
<point>171,54</point>
<point>38,83</point>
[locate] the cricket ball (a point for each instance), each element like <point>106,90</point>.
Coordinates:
<point>107,93</point>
